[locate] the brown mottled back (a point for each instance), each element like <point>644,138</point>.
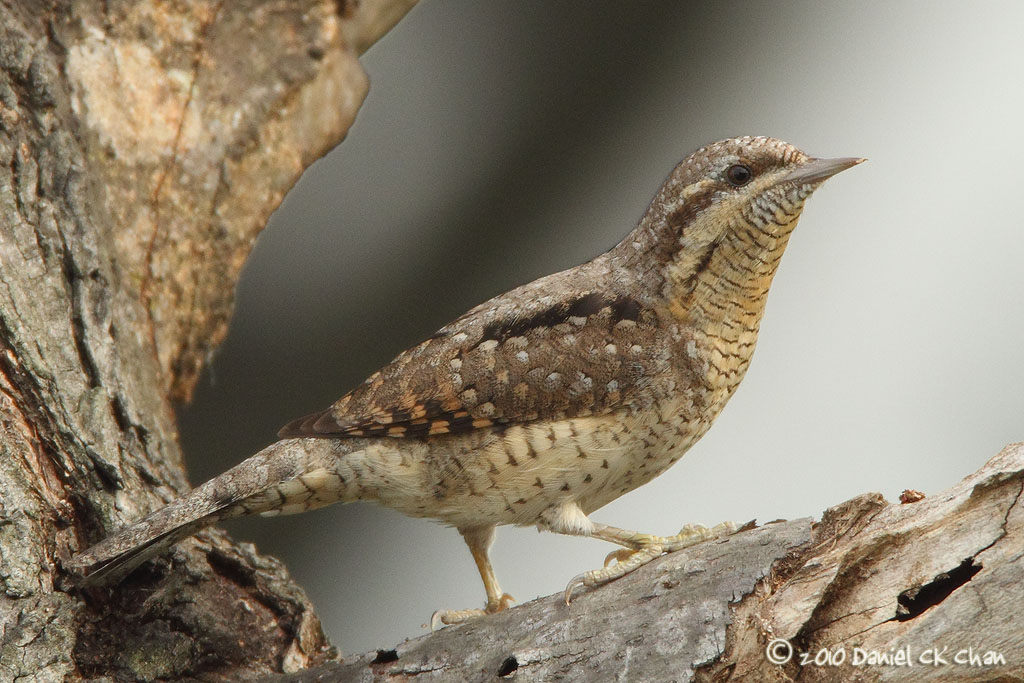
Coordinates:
<point>520,357</point>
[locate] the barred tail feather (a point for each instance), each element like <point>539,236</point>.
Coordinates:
<point>239,491</point>
<point>116,557</point>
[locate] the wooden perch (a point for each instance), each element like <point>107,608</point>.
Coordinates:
<point>924,591</point>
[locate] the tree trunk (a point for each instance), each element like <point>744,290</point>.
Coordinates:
<point>143,144</point>
<point>924,591</point>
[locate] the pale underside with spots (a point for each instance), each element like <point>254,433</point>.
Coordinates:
<point>523,475</point>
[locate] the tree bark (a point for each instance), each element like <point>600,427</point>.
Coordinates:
<point>143,145</point>
<point>934,585</point>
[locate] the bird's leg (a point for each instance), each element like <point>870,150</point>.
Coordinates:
<point>479,541</point>
<point>480,545</point>
<point>638,548</point>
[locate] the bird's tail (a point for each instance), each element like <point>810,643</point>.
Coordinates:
<point>250,487</point>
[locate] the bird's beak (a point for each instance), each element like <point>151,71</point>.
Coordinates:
<point>818,170</point>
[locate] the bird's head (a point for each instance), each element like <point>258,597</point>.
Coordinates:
<point>736,185</point>
<point>738,198</point>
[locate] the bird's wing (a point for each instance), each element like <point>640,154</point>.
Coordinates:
<point>520,357</point>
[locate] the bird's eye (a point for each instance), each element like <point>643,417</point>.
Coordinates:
<point>739,175</point>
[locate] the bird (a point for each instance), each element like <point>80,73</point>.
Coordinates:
<point>545,403</point>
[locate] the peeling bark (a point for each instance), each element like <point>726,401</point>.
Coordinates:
<point>943,572</point>
<point>142,147</point>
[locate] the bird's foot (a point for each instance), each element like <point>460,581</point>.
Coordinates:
<point>448,617</point>
<point>692,534</point>
<point>626,561</point>
<point>620,562</point>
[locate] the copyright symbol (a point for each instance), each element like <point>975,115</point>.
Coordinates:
<point>779,651</point>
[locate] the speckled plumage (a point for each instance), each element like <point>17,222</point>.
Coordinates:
<point>551,400</point>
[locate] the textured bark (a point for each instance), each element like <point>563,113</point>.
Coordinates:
<point>944,572</point>
<point>142,147</point>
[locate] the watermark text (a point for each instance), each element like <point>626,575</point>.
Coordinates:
<point>780,651</point>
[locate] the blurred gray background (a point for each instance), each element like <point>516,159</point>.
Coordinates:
<point>504,141</point>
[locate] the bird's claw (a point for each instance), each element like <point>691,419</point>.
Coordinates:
<point>450,617</point>
<point>620,555</point>
<point>620,562</point>
<point>504,603</point>
<point>631,560</point>
<point>447,617</point>
<point>578,580</point>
